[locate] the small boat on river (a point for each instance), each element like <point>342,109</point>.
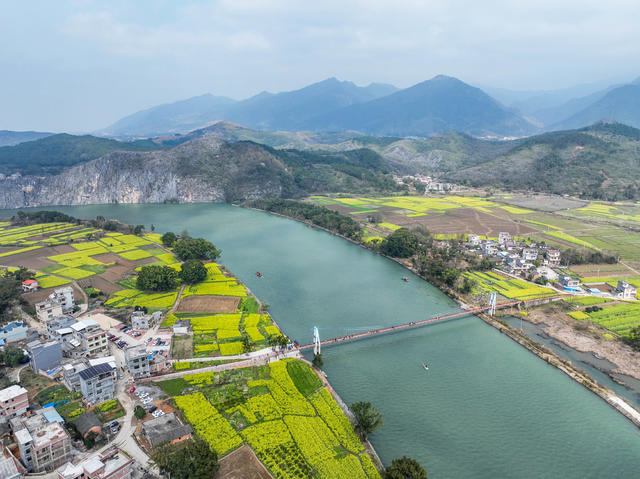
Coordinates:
<point>404,278</point>
<point>424,365</point>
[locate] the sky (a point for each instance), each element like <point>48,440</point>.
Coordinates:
<point>80,65</point>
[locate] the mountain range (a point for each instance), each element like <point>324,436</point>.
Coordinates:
<point>229,162</point>
<point>431,107</point>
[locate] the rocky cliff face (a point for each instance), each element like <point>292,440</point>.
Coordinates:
<point>204,170</point>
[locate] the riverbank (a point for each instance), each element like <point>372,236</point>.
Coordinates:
<point>608,396</point>
<point>566,367</point>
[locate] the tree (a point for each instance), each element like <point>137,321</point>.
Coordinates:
<point>139,412</point>
<point>157,278</point>
<point>193,460</point>
<point>367,417</point>
<point>247,343</point>
<point>634,338</point>
<point>317,360</point>
<point>195,248</point>
<point>138,229</point>
<point>10,293</point>
<point>405,468</point>
<point>401,243</point>
<point>11,356</point>
<point>169,239</point>
<point>21,274</point>
<point>193,271</point>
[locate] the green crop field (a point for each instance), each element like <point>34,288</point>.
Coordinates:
<point>509,288</point>
<point>619,318</point>
<point>294,436</point>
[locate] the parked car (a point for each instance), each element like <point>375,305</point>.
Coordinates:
<point>152,409</point>
<point>133,389</point>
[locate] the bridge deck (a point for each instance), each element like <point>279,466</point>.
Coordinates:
<point>422,322</point>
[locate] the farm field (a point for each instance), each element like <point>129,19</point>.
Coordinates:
<point>282,411</point>
<point>619,317</point>
<point>510,288</point>
<point>560,222</point>
<point>60,253</point>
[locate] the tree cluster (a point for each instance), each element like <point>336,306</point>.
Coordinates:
<point>157,278</point>
<point>195,248</point>
<point>575,256</point>
<point>317,215</point>
<point>10,294</point>
<point>193,271</point>
<point>193,460</point>
<point>401,243</point>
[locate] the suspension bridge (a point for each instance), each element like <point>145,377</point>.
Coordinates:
<point>491,308</point>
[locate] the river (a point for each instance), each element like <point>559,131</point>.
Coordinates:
<point>487,408</point>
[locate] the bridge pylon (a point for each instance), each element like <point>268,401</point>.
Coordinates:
<point>492,304</point>
<point>316,341</point>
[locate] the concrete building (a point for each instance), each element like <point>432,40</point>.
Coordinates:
<point>113,464</point>
<point>72,370</point>
<point>10,467</point>
<point>488,248</point>
<point>568,283</point>
<point>503,237</point>
<point>43,445</point>
<point>44,356</point>
<point>166,428</point>
<point>13,402</point>
<point>64,297</point>
<point>88,339</point>
<point>625,290</point>
<point>55,324</point>
<point>46,310</point>
<point>13,332</point>
<point>181,326</point>
<point>473,240</point>
<point>29,285</point>
<point>142,321</point>
<point>138,361</point>
<point>553,256</point>
<point>97,383</point>
<point>529,254</point>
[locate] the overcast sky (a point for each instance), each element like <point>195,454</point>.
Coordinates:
<point>80,65</point>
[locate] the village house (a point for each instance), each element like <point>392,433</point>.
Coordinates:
<point>46,310</point>
<point>13,332</point>
<point>87,423</point>
<point>29,285</point>
<point>71,371</point>
<point>166,428</point>
<point>43,445</point>
<point>181,326</point>
<point>138,361</point>
<point>113,464</point>
<point>553,256</point>
<point>97,383</point>
<point>503,237</point>
<point>89,339</point>
<point>473,240</point>
<point>489,248</point>
<point>55,324</point>
<point>529,254</point>
<point>568,283</point>
<point>13,402</point>
<point>44,356</point>
<point>625,290</point>
<point>142,321</point>
<point>10,467</point>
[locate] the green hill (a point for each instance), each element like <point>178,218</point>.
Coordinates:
<point>50,155</point>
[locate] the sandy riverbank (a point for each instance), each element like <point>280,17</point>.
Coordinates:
<point>590,340</point>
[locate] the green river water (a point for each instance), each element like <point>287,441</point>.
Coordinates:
<point>487,408</point>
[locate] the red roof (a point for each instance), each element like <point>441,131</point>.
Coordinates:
<point>27,282</point>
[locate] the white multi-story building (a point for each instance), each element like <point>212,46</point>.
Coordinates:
<point>138,361</point>
<point>97,383</point>
<point>43,445</point>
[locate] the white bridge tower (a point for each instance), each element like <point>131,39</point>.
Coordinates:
<point>316,341</point>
